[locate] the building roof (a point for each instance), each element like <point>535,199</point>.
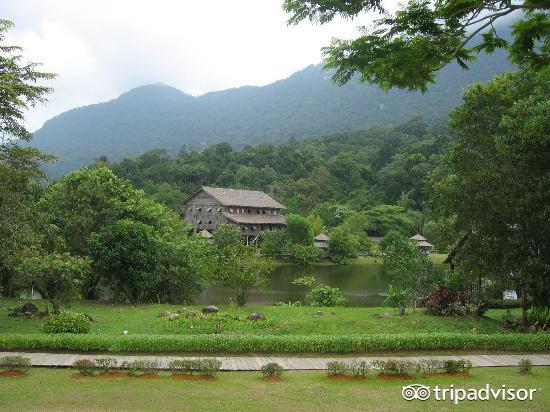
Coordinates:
<point>252,219</point>
<point>418,237</point>
<point>423,243</point>
<point>245,198</point>
<point>322,237</point>
<point>206,234</point>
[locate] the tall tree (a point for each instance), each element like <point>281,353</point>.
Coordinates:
<point>406,49</point>
<point>19,166</point>
<point>496,182</point>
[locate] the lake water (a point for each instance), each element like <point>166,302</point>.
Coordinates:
<point>361,283</point>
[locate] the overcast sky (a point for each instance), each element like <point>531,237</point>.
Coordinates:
<point>101,49</point>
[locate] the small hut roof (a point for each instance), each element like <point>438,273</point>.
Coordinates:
<point>321,237</point>
<point>423,243</point>
<point>206,234</point>
<point>418,238</point>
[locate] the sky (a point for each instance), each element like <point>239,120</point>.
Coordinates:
<point>100,49</point>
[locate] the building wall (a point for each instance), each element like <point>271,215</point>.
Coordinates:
<point>204,212</point>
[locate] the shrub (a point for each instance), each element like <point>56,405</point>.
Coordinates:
<point>67,322</point>
<point>183,366</point>
<point>336,368</point>
<point>85,367</point>
<point>276,343</point>
<point>395,367</point>
<point>209,366</point>
<point>106,365</point>
<point>432,366</point>
<point>272,369</point>
<point>149,366</point>
<point>205,367</point>
<point>457,366</point>
<point>504,304</point>
<point>303,254</point>
<point>540,317</point>
<point>525,366</point>
<point>443,301</point>
<point>15,363</point>
<point>359,369</point>
<point>323,295</point>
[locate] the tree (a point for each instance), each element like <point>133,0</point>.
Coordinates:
<point>405,50</point>
<point>412,270</point>
<point>239,267</point>
<point>127,254</point>
<point>227,236</point>
<point>495,182</point>
<point>386,218</point>
<point>20,172</point>
<point>357,224</point>
<point>274,242</point>
<point>316,224</point>
<point>342,245</point>
<point>298,229</point>
<point>57,276</point>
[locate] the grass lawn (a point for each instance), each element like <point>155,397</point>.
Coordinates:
<point>144,319</point>
<point>55,389</point>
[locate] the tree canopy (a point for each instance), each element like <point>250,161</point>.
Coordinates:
<point>405,49</point>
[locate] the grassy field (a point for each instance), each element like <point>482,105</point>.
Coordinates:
<point>144,319</point>
<point>55,389</point>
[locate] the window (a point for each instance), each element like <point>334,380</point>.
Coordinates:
<point>200,209</point>
<point>231,210</point>
<point>263,211</point>
<point>209,209</point>
<point>209,222</point>
<point>253,227</point>
<point>199,221</point>
<point>258,211</point>
<point>249,211</point>
<point>190,209</point>
<point>219,209</point>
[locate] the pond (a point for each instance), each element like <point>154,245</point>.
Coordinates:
<point>361,283</point>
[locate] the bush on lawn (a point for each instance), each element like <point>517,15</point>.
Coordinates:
<point>67,322</point>
<point>457,366</point>
<point>336,368</point>
<point>15,363</point>
<point>106,365</point>
<point>205,367</point>
<point>325,296</point>
<point>85,367</point>
<point>276,343</point>
<point>525,366</point>
<point>443,301</point>
<point>272,369</point>
<point>359,369</point>
<point>146,366</point>
<point>395,367</point>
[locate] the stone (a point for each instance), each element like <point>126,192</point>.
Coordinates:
<point>173,316</point>
<point>29,307</point>
<point>256,316</point>
<point>210,309</point>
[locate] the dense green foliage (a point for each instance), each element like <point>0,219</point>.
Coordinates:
<point>67,322</point>
<point>20,172</point>
<point>404,49</point>
<point>276,343</point>
<point>495,184</point>
<point>304,105</point>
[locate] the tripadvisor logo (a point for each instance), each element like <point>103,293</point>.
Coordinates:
<point>456,395</point>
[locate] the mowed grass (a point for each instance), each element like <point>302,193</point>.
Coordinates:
<point>56,389</point>
<point>144,319</point>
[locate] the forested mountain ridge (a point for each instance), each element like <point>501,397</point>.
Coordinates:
<point>305,104</point>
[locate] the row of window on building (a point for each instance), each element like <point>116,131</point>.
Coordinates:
<point>239,210</point>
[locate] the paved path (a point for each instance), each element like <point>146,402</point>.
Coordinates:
<point>254,363</point>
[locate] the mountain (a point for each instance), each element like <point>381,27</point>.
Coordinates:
<point>305,104</point>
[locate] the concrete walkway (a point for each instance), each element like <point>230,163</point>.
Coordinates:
<point>254,363</point>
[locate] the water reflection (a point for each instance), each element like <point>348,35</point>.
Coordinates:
<point>361,283</point>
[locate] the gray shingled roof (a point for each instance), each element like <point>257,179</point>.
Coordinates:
<point>245,198</point>
<point>256,219</point>
<point>418,237</point>
<point>321,237</point>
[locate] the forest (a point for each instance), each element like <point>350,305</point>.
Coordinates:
<point>380,171</point>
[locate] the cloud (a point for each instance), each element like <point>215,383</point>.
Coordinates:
<point>101,49</point>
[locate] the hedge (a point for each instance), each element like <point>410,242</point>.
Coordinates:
<point>275,343</point>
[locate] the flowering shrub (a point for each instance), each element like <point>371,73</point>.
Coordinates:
<point>67,322</point>
<point>336,368</point>
<point>446,302</point>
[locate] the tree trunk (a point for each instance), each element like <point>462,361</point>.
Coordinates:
<point>524,307</point>
<point>401,309</point>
